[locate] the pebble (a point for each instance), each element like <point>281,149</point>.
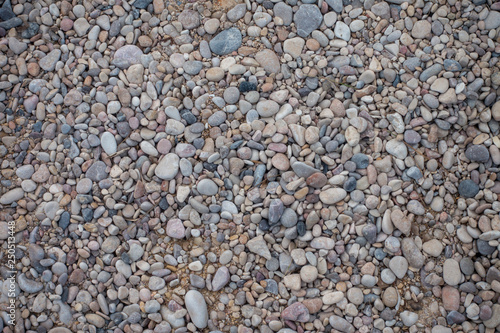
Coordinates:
<point>468,188</point>
<point>307,19</point>
<point>168,167</point>
<point>451,272</point>
<point>226,41</point>
<point>197,308</point>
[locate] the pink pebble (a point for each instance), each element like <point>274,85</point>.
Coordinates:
<point>164,146</point>
<point>133,122</point>
<point>66,24</point>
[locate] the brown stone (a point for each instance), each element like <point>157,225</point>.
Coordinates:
<point>451,298</point>
<point>77,276</point>
<point>313,304</point>
<point>317,180</point>
<point>280,162</point>
<point>296,312</point>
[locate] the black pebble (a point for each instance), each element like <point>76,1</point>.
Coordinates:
<point>188,116</point>
<point>64,220</point>
<point>247,86</point>
<point>301,228</point>
<point>87,214</point>
<point>264,225</point>
<point>163,203</point>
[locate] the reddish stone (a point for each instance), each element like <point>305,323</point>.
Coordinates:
<point>66,24</point>
<point>77,276</point>
<point>175,229</point>
<point>317,180</point>
<point>313,304</point>
<point>296,312</point>
<point>451,298</point>
<point>280,162</point>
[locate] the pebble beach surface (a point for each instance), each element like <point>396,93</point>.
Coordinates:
<point>250,166</point>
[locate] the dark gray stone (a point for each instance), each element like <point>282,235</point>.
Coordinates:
<point>477,153</point>
<point>307,19</point>
<point>361,160</point>
<point>468,189</point>
<point>226,42</point>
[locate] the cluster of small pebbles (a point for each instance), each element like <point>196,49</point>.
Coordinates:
<point>250,166</point>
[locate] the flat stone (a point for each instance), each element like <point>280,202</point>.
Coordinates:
<point>468,188</point>
<point>399,266</point>
<point>451,272</point>
<point>197,308</point>
<point>221,278</point>
<point>168,167</point>
<point>340,324</point>
<point>108,143</point>
<point>207,187</point>
<point>12,196</point>
<point>127,55</point>
<point>477,153</point>
<point>176,229</point>
<point>226,42</point>
<point>421,29</point>
<point>332,195</point>
<point>492,21</point>
<point>258,246</point>
<point>296,312</point>
<point>97,171</point>
<point>307,19</point>
<point>268,60</point>
<point>189,19</point>
<point>48,63</point>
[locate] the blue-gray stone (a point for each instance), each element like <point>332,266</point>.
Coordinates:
<point>218,118</point>
<point>301,169</point>
<point>246,86</point>
<point>475,85</point>
<point>11,23</point>
<point>97,171</point>
<point>468,188</point>
<point>361,160</point>
<point>251,116</point>
<point>380,254</point>
<point>442,124</point>
<point>192,67</point>
<point>467,266</point>
<point>336,5</point>
<point>350,184</point>
<point>431,71</point>
<point>264,225</point>
<point>65,128</point>
<point>226,42</point>
<point>412,137</point>
<point>484,248</point>
<point>64,220</point>
<point>412,63</point>
<point>477,153</point>
<point>271,286</point>
<point>307,19</point>
<point>276,209</point>
<point>452,65</point>
<point>259,174</point>
<point>142,4</point>
<point>289,218</point>
<point>6,12</point>
<point>370,232</point>
<point>331,146</point>
<point>301,228</point>
<point>455,317</point>
<point>414,172</point>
